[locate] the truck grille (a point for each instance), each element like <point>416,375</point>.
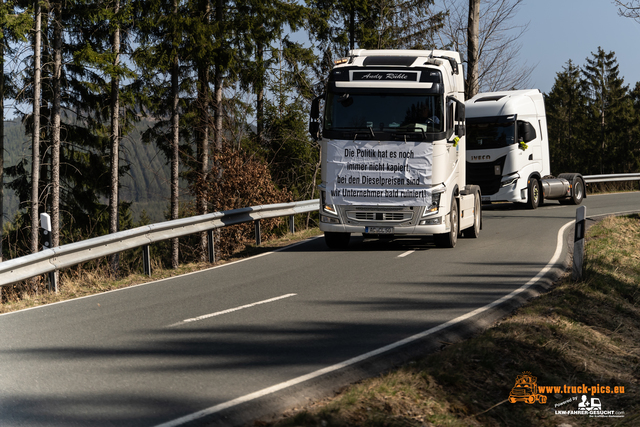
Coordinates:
<point>483,174</point>
<point>379,216</point>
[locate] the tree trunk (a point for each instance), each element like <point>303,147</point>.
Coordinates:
<point>260,93</point>
<point>217,129</point>
<point>35,137</point>
<point>473,31</point>
<point>55,151</point>
<point>115,144</point>
<point>175,147</point>
<point>218,85</point>
<point>1,143</point>
<point>203,137</point>
<point>352,27</point>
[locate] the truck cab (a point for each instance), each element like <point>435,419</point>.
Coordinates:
<point>508,150</point>
<point>393,147</point>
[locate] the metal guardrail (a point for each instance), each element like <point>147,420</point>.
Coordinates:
<point>60,257</point>
<point>589,179</point>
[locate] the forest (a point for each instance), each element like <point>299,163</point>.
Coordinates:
<point>218,93</point>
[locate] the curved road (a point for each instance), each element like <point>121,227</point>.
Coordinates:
<point>196,347</point>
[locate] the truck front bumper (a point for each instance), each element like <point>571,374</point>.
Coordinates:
<point>384,220</point>
<point>516,193</point>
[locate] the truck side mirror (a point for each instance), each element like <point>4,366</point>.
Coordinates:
<point>460,113</point>
<point>526,131</point>
<point>314,118</point>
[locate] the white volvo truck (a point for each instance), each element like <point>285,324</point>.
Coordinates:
<point>393,148</point>
<point>508,151</point>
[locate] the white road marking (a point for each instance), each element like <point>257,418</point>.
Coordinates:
<point>405,254</point>
<point>357,359</point>
<point>230,310</point>
<point>284,248</point>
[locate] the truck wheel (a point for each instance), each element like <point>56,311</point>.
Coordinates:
<point>577,191</point>
<point>474,231</point>
<point>337,240</point>
<point>448,240</point>
<point>577,188</point>
<point>533,193</point>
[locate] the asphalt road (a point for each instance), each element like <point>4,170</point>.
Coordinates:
<point>161,352</point>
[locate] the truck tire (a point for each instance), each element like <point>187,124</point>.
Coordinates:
<point>474,231</point>
<point>533,193</point>
<point>335,240</point>
<point>577,188</point>
<point>448,240</point>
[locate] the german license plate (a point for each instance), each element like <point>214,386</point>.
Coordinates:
<point>379,230</point>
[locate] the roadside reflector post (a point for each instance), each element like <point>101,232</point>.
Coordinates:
<point>578,242</point>
<point>46,237</point>
<point>146,260</point>
<point>292,224</point>
<point>258,237</point>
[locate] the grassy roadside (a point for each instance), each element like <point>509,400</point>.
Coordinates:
<point>80,283</point>
<point>585,332</point>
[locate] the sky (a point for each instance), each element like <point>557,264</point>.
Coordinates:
<point>560,30</point>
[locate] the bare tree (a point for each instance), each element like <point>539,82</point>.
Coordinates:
<point>629,9</point>
<point>473,36</point>
<point>499,67</point>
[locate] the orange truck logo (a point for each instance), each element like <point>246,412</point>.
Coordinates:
<point>526,390</point>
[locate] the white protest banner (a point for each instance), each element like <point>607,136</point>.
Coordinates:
<point>379,173</point>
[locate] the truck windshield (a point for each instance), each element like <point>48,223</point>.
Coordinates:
<point>383,112</point>
<point>483,134</point>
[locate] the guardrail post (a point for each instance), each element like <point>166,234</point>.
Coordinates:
<point>578,242</point>
<point>292,224</point>
<point>146,260</point>
<point>211,247</point>
<point>53,281</point>
<point>258,236</point>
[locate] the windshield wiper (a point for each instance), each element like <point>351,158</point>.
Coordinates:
<point>413,133</point>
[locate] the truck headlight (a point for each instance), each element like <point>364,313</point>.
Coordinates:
<point>328,208</point>
<point>431,221</point>
<point>329,220</point>
<point>435,205</point>
<point>509,180</point>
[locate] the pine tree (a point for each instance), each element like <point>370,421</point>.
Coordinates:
<point>103,27</point>
<point>609,107</point>
<point>373,24</point>
<point>13,27</point>
<point>160,57</point>
<point>566,107</point>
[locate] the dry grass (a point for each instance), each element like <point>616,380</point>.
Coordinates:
<point>80,281</point>
<point>578,333</point>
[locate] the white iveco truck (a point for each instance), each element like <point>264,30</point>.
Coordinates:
<point>393,148</point>
<point>508,151</point>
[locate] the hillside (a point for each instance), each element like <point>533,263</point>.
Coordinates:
<point>146,185</point>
